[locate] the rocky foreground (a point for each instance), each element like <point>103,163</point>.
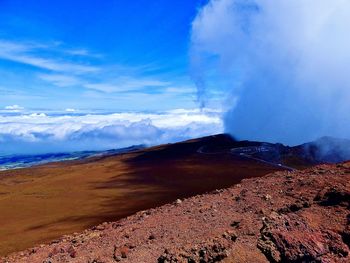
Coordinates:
<point>301,216</point>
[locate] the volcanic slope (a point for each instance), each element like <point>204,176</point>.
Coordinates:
<point>44,202</point>
<point>299,216</point>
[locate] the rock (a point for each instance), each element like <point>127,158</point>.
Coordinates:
<point>267,197</point>
<point>71,252</point>
<point>120,252</point>
<point>96,260</point>
<point>346,235</point>
<point>290,239</point>
<point>124,252</point>
<point>235,224</point>
<point>99,227</point>
<point>117,258</point>
<point>230,235</point>
<point>54,251</point>
<point>331,196</point>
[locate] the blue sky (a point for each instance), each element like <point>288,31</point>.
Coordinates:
<point>117,72</point>
<point>112,55</point>
<point>96,75</point>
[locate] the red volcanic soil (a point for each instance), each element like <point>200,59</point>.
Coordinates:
<point>299,216</point>
<point>43,203</point>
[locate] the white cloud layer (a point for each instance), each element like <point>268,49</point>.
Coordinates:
<point>14,107</point>
<point>42,133</point>
<point>283,65</point>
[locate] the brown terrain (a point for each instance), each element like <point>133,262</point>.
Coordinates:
<point>300,216</point>
<point>286,216</point>
<point>42,203</point>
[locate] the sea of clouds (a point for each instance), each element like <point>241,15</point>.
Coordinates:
<point>43,132</point>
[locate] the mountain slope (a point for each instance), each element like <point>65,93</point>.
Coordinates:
<point>42,203</point>
<point>298,216</point>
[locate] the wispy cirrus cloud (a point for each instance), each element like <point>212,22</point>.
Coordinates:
<point>123,84</point>
<point>115,85</point>
<point>61,80</point>
<point>65,73</point>
<point>81,72</point>
<point>82,52</point>
<point>29,54</point>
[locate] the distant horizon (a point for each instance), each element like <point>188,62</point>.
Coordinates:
<point>68,71</point>
<point>47,131</point>
<point>51,131</point>
<point>150,145</point>
<point>90,74</point>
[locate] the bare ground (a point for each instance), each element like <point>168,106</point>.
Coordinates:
<point>300,216</point>
<point>43,203</point>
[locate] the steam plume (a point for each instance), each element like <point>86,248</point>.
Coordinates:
<point>283,66</point>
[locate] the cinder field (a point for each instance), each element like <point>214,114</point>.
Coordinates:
<point>42,203</point>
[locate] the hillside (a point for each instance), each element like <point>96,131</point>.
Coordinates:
<point>42,203</point>
<point>299,216</point>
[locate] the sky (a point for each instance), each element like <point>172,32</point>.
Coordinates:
<point>113,55</point>
<point>87,75</point>
<point>96,75</point>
